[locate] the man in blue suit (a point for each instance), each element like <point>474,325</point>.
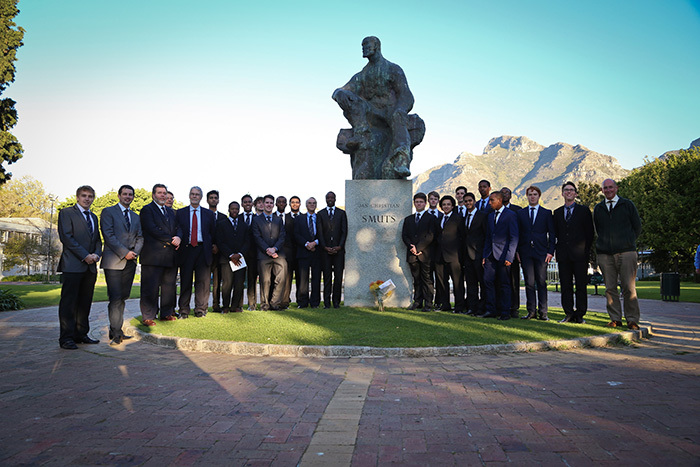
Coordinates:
<point>196,227</point>
<point>77,229</point>
<point>499,252</point>
<point>307,237</point>
<point>158,258</point>
<point>121,229</point>
<point>535,249</point>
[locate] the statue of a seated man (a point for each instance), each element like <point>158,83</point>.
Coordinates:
<point>376,102</point>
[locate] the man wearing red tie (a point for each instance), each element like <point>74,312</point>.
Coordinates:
<point>195,226</point>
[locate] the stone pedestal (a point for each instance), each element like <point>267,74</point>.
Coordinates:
<point>374,249</point>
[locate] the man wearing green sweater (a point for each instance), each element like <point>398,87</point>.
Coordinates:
<point>618,225</point>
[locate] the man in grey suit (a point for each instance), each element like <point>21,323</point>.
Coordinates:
<point>121,229</point>
<point>77,229</point>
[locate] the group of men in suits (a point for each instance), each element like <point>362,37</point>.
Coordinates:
<point>201,243</point>
<point>484,242</point>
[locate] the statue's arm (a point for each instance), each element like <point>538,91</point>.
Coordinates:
<point>404,96</point>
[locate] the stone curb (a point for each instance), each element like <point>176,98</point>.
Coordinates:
<point>269,350</point>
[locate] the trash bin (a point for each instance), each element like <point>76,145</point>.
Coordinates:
<point>670,286</point>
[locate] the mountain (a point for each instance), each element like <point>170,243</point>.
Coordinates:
<point>518,162</point>
<point>694,144</point>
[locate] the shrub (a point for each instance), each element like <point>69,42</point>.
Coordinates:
<point>31,278</point>
<point>9,301</point>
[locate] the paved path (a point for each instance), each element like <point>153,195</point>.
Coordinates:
<point>143,405</point>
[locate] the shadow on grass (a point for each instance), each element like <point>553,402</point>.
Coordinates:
<point>368,327</point>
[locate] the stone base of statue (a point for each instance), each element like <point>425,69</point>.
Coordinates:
<point>374,249</point>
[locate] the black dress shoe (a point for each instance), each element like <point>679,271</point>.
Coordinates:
<point>543,318</point>
<point>88,340</point>
<point>514,314</point>
<point>414,306</point>
<point>568,319</point>
<point>184,316</point>
<point>336,305</point>
<point>326,307</point>
<point>529,316</point>
<point>116,341</point>
<point>427,308</point>
<point>68,345</point>
<point>504,317</point>
<point>488,315</point>
<point>125,337</point>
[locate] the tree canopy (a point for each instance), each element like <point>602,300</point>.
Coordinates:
<point>665,191</point>
<point>25,197</point>
<point>11,39</point>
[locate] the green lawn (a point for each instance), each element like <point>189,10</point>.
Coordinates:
<point>365,326</point>
<point>41,295</point>
<point>690,291</point>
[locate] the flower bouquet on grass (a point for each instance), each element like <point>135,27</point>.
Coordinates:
<point>382,290</point>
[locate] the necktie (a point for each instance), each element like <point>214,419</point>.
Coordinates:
<point>269,219</point>
<point>495,218</point>
<point>281,216</point>
<point>311,225</point>
<point>126,218</point>
<point>331,214</point>
<point>89,221</point>
<point>162,209</point>
<point>235,223</point>
<point>568,213</point>
<point>469,220</point>
<point>432,211</point>
<point>247,218</point>
<point>444,221</point>
<point>417,218</point>
<point>193,233</point>
<point>532,215</point>
<point>610,203</point>
<point>461,211</point>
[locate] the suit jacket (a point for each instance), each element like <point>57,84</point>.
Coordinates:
<point>268,234</point>
<point>290,246</point>
<point>574,238</point>
<point>232,240</point>
<point>421,235</point>
<point>475,236</point>
<point>502,239</point>
<point>332,232</point>
<point>218,217</point>
<point>119,240</point>
<point>302,234</point>
<point>77,240</point>
<point>158,231</point>
<point>514,207</point>
<point>450,239</point>
<point>184,219</point>
<point>487,208</point>
<point>536,240</point>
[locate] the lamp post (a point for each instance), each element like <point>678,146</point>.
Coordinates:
<point>48,252</point>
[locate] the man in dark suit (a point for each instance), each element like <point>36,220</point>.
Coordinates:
<point>213,202</point>
<point>418,233</point>
<point>515,267</point>
<point>500,245</point>
<point>268,235</point>
<point>158,258</point>
<point>290,250</point>
<point>460,207</point>
<point>475,235</point>
<point>573,228</point>
<point>77,229</point>
<point>233,242</point>
<point>306,236</point>
<point>196,228</point>
<point>251,257</point>
<point>535,250</point>
<point>333,231</point>
<point>484,190</point>
<point>123,238</point>
<point>448,257</point>
<point>433,202</point>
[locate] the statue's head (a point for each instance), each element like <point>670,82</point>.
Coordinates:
<point>370,46</point>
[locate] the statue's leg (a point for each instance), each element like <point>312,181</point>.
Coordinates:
<point>400,159</point>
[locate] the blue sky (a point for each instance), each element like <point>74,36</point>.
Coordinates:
<point>236,95</point>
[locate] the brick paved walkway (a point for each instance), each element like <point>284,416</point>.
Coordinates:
<point>144,405</point>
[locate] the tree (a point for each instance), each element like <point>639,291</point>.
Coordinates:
<point>665,192</point>
<point>25,197</point>
<point>22,250</point>
<point>11,39</point>
<point>589,194</point>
